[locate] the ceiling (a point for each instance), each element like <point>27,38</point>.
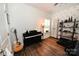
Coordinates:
<point>49,7</point>
<point>43,6</point>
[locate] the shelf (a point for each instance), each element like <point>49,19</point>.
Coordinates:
<point>71,27</point>
<point>77,21</point>
<point>76,33</point>
<point>67,27</point>
<point>68,37</point>
<point>70,32</point>
<point>77,27</point>
<point>68,22</point>
<point>67,32</point>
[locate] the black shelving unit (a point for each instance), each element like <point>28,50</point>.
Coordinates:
<point>68,42</point>
<point>64,39</point>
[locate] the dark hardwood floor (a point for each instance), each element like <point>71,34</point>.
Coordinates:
<point>48,47</point>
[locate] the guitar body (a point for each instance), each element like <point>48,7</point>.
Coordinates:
<point>17,47</point>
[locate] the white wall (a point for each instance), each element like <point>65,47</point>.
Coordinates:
<point>62,15</point>
<point>24,17</point>
<point>2,22</point>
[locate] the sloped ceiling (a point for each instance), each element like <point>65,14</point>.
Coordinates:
<point>51,7</point>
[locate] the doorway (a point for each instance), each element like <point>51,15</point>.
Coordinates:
<point>46,28</point>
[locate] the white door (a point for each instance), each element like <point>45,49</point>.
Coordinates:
<point>46,28</point>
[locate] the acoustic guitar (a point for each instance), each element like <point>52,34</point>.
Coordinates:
<point>17,45</point>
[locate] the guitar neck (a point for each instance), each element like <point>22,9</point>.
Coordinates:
<point>16,37</point>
